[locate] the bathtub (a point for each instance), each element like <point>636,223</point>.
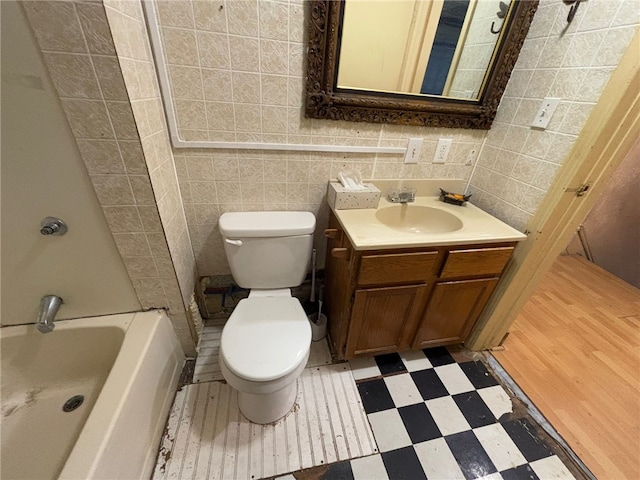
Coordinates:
<point>125,366</point>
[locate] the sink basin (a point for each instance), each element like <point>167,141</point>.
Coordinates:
<point>418,219</point>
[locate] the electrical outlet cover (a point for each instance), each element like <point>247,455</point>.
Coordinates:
<point>442,150</point>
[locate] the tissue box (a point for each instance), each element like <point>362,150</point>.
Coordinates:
<point>340,198</point>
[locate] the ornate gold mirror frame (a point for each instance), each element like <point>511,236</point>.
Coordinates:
<point>326,101</point>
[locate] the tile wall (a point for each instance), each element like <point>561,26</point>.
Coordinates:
<point>130,165</point>
<point>251,89</point>
<point>478,50</point>
<point>572,62</point>
<point>237,74</point>
<point>254,92</point>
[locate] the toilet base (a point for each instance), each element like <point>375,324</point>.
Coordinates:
<point>269,407</point>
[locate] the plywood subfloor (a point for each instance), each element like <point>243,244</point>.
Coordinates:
<point>575,351</point>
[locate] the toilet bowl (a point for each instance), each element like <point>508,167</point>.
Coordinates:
<point>266,341</point>
<point>263,349</point>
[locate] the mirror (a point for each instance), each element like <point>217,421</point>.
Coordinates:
<point>439,63</point>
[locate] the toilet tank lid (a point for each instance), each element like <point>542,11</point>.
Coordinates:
<point>266,224</point>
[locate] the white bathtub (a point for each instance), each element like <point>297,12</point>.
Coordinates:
<point>127,367</point>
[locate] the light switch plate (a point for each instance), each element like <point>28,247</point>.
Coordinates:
<point>543,117</point>
<point>413,150</point>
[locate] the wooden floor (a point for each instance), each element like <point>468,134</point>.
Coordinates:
<point>575,351</point>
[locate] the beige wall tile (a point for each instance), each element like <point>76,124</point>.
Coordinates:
<point>146,74</point>
<point>248,117</point>
<point>150,219</point>
<point>216,84</point>
<point>191,114</point>
<point>246,87</point>
<point>229,193</point>
<point>132,244</point>
<point>101,156</point>
<point>226,169</point>
<point>110,78</point>
<point>252,170</point>
<point>142,190</point>
<point>132,157</point>
<point>96,28</point>
<point>274,57</point>
<point>176,13</point>
<point>186,82</point>
<point>220,116</point>
<point>113,189</point>
<point>252,192</point>
<point>88,118</point>
<point>296,22</point>
<point>243,17</point>
<point>181,46</point>
<point>150,293</point>
<point>140,267</point>
<point>274,119</point>
<point>56,26</point>
<point>213,49</point>
<point>73,75</point>
<point>123,219</point>
<point>203,192</point>
<point>211,16</point>
<point>297,193</point>
<point>273,20</point>
<point>206,214</point>
<point>245,56</point>
<point>198,168</point>
<point>275,89</point>
<point>122,120</point>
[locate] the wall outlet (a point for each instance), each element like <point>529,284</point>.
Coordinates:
<point>543,117</point>
<point>413,150</point>
<point>442,150</point>
<point>471,157</point>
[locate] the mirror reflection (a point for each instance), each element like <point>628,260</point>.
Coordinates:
<point>420,47</point>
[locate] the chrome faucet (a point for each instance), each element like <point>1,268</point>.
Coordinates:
<point>403,195</point>
<point>49,305</point>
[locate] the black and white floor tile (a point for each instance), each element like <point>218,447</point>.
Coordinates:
<point>435,418</point>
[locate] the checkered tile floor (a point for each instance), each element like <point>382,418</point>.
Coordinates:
<point>434,418</point>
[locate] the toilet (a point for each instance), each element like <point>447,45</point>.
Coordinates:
<point>265,343</point>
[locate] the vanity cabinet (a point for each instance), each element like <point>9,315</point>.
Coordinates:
<point>382,301</point>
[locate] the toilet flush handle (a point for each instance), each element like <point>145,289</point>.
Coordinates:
<point>237,243</point>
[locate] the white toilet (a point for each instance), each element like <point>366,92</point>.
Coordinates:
<point>265,343</point>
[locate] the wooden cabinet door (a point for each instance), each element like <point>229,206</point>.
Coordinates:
<point>384,319</point>
<point>452,311</point>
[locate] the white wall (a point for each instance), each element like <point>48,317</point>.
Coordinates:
<point>43,175</point>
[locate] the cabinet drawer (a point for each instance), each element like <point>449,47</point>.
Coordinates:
<point>477,261</point>
<point>397,268</point>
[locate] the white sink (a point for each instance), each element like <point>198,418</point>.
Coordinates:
<point>418,219</point>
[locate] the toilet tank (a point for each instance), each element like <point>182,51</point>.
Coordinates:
<point>268,250</point>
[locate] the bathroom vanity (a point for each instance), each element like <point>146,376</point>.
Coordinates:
<point>410,276</point>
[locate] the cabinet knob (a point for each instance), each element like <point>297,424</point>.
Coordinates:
<point>342,253</point>
<point>331,232</point>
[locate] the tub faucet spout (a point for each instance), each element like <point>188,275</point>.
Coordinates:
<point>49,305</point>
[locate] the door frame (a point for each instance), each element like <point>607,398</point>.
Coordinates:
<point>609,135</point>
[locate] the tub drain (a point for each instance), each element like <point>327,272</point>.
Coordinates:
<point>73,403</point>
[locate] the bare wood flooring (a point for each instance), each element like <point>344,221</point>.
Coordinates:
<point>575,351</point>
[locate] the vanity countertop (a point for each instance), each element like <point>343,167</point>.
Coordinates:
<point>425,222</point>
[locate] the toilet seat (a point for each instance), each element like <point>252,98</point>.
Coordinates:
<point>265,338</point>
